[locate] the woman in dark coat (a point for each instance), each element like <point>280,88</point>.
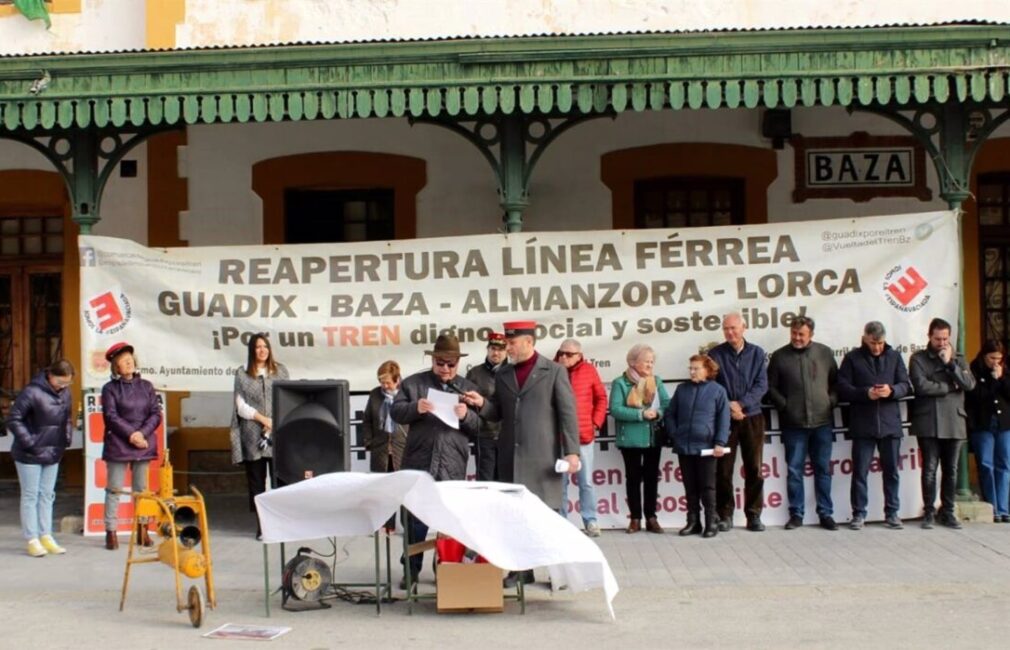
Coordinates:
<point>988,406</point>
<point>252,419</point>
<point>39,420</point>
<point>131,414</point>
<point>697,420</point>
<point>384,438</point>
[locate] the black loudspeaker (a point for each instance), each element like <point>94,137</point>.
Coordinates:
<point>311,429</point>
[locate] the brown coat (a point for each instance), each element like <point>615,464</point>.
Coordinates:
<point>379,443</point>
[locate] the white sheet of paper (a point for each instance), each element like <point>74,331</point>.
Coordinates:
<point>445,405</point>
<point>708,452</point>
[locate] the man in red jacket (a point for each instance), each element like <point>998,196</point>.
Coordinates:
<point>591,409</point>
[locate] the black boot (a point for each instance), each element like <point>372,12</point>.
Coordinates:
<point>693,526</point>
<point>711,527</point>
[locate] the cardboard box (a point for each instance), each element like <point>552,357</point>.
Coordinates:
<point>469,588</point>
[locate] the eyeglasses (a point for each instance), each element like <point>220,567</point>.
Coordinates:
<point>443,363</point>
<point>568,354</point>
<point>62,383</point>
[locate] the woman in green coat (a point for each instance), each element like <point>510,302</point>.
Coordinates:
<point>637,402</point>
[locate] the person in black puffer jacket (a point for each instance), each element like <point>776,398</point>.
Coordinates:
<point>40,423</point>
<point>988,406</point>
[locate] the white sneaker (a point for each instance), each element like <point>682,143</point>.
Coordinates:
<point>35,549</point>
<point>51,546</point>
<point>593,529</point>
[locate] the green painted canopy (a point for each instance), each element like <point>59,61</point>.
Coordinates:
<point>473,77</point>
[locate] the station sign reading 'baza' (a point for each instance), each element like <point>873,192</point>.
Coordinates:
<point>859,167</point>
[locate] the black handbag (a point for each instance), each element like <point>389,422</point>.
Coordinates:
<point>659,433</point>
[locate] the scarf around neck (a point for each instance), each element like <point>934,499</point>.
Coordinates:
<point>643,392</point>
<point>385,411</point>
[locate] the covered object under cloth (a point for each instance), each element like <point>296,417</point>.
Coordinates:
<point>504,522</point>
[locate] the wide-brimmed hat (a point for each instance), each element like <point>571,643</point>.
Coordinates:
<point>117,348</point>
<point>446,345</point>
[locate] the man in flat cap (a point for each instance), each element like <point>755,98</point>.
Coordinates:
<point>534,401</point>
<point>433,446</point>
<point>484,376</point>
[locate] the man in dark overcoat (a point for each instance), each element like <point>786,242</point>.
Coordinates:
<point>534,401</point>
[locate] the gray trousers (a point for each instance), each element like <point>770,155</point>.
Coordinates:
<point>114,481</point>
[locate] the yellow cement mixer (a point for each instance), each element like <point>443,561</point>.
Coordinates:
<point>181,523</point>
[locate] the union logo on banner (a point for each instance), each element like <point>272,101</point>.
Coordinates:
<point>904,287</point>
<point>108,312</point>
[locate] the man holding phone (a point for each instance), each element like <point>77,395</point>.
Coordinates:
<point>872,379</point>
<point>940,378</point>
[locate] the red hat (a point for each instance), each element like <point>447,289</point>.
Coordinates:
<point>496,339</point>
<point>520,328</point>
<point>117,348</point>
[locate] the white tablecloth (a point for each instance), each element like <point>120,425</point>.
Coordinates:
<point>505,523</point>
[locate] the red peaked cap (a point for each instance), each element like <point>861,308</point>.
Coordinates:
<point>116,348</point>
<point>496,339</point>
<point>520,327</point>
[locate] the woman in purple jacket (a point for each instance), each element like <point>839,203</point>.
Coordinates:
<point>131,413</point>
<point>40,423</point>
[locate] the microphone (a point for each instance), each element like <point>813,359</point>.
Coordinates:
<point>459,391</point>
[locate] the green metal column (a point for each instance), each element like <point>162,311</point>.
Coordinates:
<point>84,180</point>
<point>954,167</point>
<point>513,190</point>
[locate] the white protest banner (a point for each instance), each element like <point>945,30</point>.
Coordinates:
<point>339,310</point>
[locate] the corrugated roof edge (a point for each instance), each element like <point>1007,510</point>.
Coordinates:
<point>446,38</point>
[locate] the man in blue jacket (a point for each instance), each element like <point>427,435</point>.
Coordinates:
<point>743,374</point>
<point>872,379</point>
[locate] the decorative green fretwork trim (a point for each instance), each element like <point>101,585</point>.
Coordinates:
<point>467,78</point>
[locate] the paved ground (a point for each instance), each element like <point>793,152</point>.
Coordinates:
<point>812,588</point>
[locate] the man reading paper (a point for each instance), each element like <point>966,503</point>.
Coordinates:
<point>433,445</point>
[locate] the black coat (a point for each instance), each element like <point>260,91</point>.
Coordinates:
<point>801,385</point>
<point>432,445</point>
<point>990,397</point>
<point>40,423</point>
<point>861,371</point>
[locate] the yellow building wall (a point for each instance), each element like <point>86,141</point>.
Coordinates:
<point>162,18</point>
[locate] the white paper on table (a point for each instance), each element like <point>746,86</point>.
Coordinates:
<point>445,406</point>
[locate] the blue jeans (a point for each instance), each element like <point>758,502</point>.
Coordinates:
<point>862,456</point>
<point>992,457</point>
<point>798,443</point>
<point>587,493</point>
<point>38,492</point>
